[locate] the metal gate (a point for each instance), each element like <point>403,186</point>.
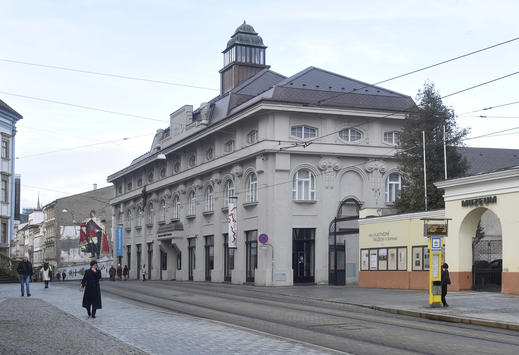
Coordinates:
<point>487,256</point>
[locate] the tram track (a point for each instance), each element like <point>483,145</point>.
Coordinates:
<point>333,325</point>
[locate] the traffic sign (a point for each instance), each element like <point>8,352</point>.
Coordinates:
<point>263,238</point>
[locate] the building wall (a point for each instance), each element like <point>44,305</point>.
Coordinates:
<point>341,170</point>
<point>395,235</point>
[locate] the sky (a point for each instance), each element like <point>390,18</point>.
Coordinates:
<point>79,127</point>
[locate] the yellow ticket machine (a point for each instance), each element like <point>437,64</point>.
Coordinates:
<point>435,232</point>
<point>435,271</point>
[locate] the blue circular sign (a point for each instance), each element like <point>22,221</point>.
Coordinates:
<point>263,238</point>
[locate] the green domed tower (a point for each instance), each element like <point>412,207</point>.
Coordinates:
<point>243,58</point>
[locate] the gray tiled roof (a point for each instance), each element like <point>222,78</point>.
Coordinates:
<point>6,107</point>
<point>318,79</point>
<point>260,82</point>
<point>484,160</point>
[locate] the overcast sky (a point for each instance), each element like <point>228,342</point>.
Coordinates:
<point>65,149</point>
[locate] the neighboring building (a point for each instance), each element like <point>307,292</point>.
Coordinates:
<point>395,254</point>
<point>78,229</point>
<point>293,153</point>
<point>8,120</point>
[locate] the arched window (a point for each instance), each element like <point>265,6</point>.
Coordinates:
<point>139,216</point>
<point>350,135</point>
<point>163,211</point>
<point>120,218</point>
<point>192,203</point>
<point>252,188</point>
<point>304,186</point>
<point>209,199</point>
<point>150,213</point>
<point>392,187</point>
<point>129,219</point>
<point>229,192</point>
<point>176,207</point>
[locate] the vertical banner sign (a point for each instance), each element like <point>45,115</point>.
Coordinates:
<point>17,184</point>
<point>233,224</point>
<point>119,241</point>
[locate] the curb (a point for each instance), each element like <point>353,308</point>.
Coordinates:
<point>445,318</point>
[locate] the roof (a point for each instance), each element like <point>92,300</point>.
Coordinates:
<point>483,160</point>
<point>7,108</point>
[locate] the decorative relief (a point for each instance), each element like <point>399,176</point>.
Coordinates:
<point>376,168</point>
<point>330,166</point>
<point>181,189</point>
<point>197,183</point>
<point>236,172</point>
<point>216,178</point>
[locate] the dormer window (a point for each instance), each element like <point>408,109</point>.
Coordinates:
<point>252,137</point>
<point>303,132</point>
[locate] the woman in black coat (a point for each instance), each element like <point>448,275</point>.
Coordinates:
<point>446,280</point>
<point>92,296</point>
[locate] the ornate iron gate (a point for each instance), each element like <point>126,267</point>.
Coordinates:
<point>487,256</point>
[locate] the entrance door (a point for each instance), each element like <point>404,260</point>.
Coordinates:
<point>192,258</point>
<point>303,254</point>
<point>487,265</point>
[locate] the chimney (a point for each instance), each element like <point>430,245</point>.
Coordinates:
<point>95,186</point>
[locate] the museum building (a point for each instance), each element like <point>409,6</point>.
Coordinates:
<point>291,159</point>
<point>481,247</point>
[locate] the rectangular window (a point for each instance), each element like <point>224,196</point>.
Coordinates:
<point>4,233</point>
<point>5,150</point>
<point>4,191</point>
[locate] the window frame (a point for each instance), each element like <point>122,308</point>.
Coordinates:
<point>163,211</point>
<point>150,214</point>
<point>209,199</point>
<point>230,192</point>
<point>392,188</point>
<point>129,218</point>
<point>395,137</point>
<point>308,186</point>
<point>229,146</point>
<point>192,161</point>
<point>252,188</point>
<point>5,149</point>
<point>350,130</point>
<point>192,203</point>
<point>252,137</point>
<point>176,207</point>
<point>303,128</point>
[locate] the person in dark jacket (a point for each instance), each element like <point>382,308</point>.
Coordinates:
<point>63,275</point>
<point>58,275</point>
<point>445,281</point>
<point>25,270</point>
<point>92,296</point>
<point>111,272</point>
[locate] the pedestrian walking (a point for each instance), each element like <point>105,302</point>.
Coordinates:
<point>90,285</point>
<point>63,275</point>
<point>111,272</point>
<point>445,281</point>
<point>58,275</point>
<point>119,272</point>
<point>125,272</point>
<point>25,270</point>
<point>46,274</point>
<point>144,272</point>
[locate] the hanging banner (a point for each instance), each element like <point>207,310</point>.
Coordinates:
<point>233,224</point>
<point>119,241</point>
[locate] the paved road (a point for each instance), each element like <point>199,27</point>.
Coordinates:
<point>52,321</point>
<point>334,325</point>
<point>155,317</point>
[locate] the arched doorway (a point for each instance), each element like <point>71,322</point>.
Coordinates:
<point>344,243</point>
<point>487,254</point>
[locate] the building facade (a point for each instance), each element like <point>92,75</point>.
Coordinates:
<point>8,120</point>
<point>78,229</point>
<point>296,158</point>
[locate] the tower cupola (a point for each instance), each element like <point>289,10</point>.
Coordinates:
<point>243,58</point>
